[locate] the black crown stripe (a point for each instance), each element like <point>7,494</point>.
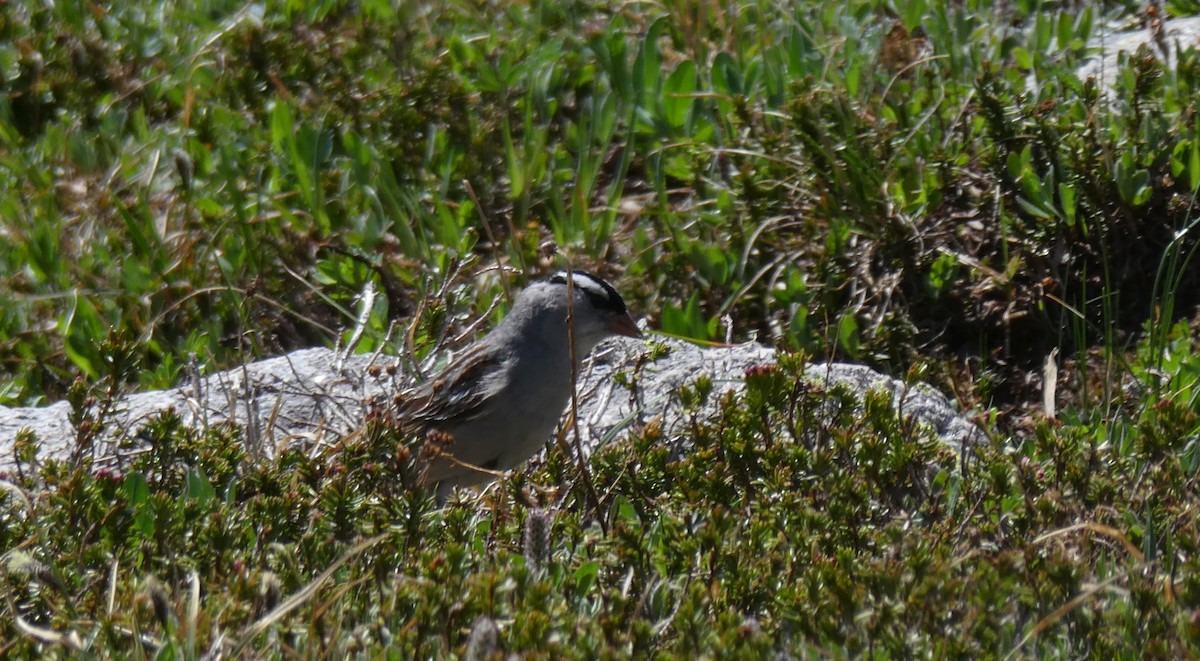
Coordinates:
<point>599,293</point>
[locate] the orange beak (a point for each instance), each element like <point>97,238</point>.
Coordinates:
<point>624,325</point>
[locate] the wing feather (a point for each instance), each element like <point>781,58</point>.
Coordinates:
<point>457,392</point>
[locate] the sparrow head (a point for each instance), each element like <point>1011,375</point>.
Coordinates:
<point>601,305</point>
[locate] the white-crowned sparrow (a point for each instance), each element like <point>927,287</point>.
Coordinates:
<point>497,403</point>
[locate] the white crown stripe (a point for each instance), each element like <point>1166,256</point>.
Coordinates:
<point>597,290</point>
<point>590,285</point>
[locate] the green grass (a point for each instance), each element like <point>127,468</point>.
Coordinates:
<point>913,185</point>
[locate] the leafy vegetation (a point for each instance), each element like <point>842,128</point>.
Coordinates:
<point>913,184</point>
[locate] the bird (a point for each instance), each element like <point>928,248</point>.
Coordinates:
<point>497,403</point>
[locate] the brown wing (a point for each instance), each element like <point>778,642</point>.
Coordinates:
<point>455,393</point>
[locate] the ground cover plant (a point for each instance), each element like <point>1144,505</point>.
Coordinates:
<point>928,188</point>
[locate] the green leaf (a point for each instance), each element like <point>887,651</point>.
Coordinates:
<point>677,96</point>
<point>848,334</point>
<point>941,271</point>
<point>138,492</point>
<point>1133,183</point>
<point>516,170</point>
<point>726,75</point>
<point>801,53</point>
<point>198,487</point>
<point>647,66</point>
<point>1023,58</point>
<point>145,522</point>
<point>1065,29</point>
<point>1083,24</point>
<point>231,491</point>
<point>84,331</point>
<point>686,322</point>
<point>136,488</point>
<point>609,49</point>
<point>1193,166</point>
<point>1066,194</point>
<point>283,126</point>
<point>586,576</point>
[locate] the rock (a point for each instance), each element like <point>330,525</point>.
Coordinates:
<point>1165,41</point>
<point>606,408</point>
<point>315,396</point>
